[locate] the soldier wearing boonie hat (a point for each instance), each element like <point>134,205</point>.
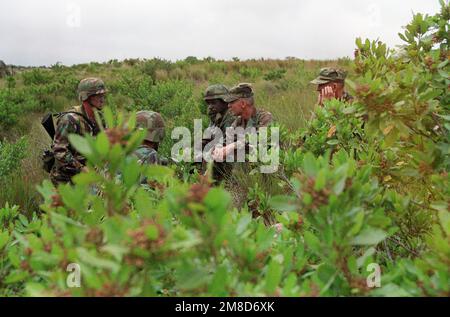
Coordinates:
<point>220,118</point>
<point>241,103</point>
<point>330,84</point>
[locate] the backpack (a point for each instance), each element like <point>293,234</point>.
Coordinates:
<point>48,157</point>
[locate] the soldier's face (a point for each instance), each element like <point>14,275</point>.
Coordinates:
<point>97,101</point>
<point>236,107</point>
<point>216,106</point>
<point>330,91</point>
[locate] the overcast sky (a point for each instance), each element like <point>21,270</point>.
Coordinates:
<point>76,31</point>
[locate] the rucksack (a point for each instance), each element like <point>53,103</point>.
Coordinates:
<point>48,157</point>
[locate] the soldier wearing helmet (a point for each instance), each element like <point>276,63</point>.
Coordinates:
<point>80,120</point>
<point>331,85</point>
<point>153,123</point>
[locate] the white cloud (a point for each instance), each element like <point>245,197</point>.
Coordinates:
<point>48,31</point>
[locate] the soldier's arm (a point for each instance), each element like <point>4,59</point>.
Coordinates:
<point>61,146</point>
<point>266,119</point>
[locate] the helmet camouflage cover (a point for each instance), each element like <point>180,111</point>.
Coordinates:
<point>242,90</point>
<point>216,92</point>
<point>89,87</point>
<point>328,75</point>
<point>153,123</point>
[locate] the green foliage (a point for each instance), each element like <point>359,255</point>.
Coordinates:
<point>250,73</point>
<point>37,77</point>
<point>275,74</point>
<point>11,156</point>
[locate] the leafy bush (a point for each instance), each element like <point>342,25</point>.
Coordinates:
<point>250,73</point>
<point>275,74</point>
<point>37,77</point>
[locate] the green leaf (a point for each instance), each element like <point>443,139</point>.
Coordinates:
<point>158,172</point>
<point>109,117</point>
<point>243,224</point>
<point>312,241</point>
<point>102,144</point>
<point>192,277</point>
<point>35,290</point>
<point>4,237</point>
<point>283,203</point>
<point>362,259</point>
<point>310,164</point>
<point>152,232</point>
<point>320,180</point>
<point>131,173</point>
<point>81,144</point>
<point>333,142</point>
<point>273,276</point>
<point>95,261</point>
<point>86,178</point>
<point>219,282</point>
<point>443,73</point>
<point>358,223</point>
<point>16,276</point>
<point>370,236</point>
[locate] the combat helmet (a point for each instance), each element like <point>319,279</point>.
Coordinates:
<point>89,87</point>
<point>153,123</point>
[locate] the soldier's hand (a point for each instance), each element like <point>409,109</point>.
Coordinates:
<point>327,93</point>
<point>219,154</point>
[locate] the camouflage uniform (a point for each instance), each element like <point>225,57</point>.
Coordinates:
<point>68,162</point>
<point>146,155</point>
<point>260,119</point>
<point>329,75</point>
<point>218,121</point>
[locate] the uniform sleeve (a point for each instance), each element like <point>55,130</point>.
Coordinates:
<point>61,147</point>
<point>265,119</point>
<point>150,158</point>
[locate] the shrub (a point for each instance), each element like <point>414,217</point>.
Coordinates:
<point>37,76</point>
<point>275,74</point>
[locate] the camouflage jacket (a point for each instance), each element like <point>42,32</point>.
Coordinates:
<point>346,97</point>
<point>260,119</point>
<point>223,121</point>
<point>68,162</point>
<point>146,155</point>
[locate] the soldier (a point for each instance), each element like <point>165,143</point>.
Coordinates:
<point>220,118</point>
<point>147,153</point>
<point>331,84</point>
<point>80,120</point>
<point>217,107</point>
<point>241,103</point>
